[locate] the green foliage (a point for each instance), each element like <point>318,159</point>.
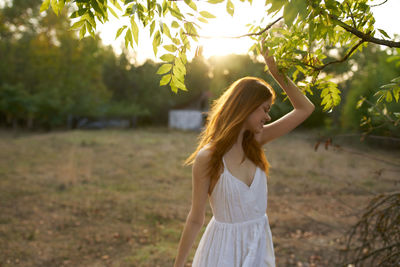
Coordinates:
<point>36,68</point>
<point>44,78</point>
<point>298,43</point>
<point>376,105</point>
<point>389,90</point>
<point>88,11</point>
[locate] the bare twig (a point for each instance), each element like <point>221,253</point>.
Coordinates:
<point>375,236</point>
<point>240,36</point>
<point>367,156</point>
<point>379,4</point>
<point>340,60</point>
<point>388,118</point>
<point>351,15</point>
<point>372,136</point>
<point>319,68</point>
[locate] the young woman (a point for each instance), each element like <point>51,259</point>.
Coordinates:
<point>230,168</point>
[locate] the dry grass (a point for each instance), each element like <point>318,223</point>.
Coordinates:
<point>120,198</point>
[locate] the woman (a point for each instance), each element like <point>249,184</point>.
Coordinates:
<point>229,167</point>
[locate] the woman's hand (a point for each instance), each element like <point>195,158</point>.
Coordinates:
<point>269,59</point>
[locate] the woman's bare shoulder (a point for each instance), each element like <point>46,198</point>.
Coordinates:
<point>205,153</point>
<point>201,163</point>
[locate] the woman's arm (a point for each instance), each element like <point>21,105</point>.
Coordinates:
<point>296,97</point>
<point>303,107</point>
<point>195,218</point>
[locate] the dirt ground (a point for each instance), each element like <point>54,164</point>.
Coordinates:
<point>121,197</point>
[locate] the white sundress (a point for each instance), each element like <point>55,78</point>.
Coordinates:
<point>238,234</point>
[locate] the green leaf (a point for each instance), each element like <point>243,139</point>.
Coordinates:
<point>191,4</point>
<point>90,17</point>
<point>82,32</point>
<point>360,102</point>
<point>202,20</point>
<point>113,12</point>
<point>128,38</point>
<point>180,65</point>
<point>396,93</point>
<point>116,4</point>
<point>90,30</point>
<point>389,85</point>
<point>207,14</point>
<point>175,24</point>
<point>97,8</point>
<point>276,6</point>
<point>60,5</point>
<point>389,96</point>
<point>302,6</point>
<point>120,30</point>
<point>165,79</point>
<point>78,13</point>
<point>159,9</point>
<point>152,25</point>
<point>311,28</point>
<point>230,8</point>
<point>167,57</point>
<point>170,48</point>
<point>176,41</point>
<point>165,7</point>
<point>156,42</point>
<point>191,30</point>
<point>384,33</point>
<point>177,71</point>
<point>167,32</point>
<point>54,6</point>
<point>215,1</point>
<point>45,5</point>
<point>178,83</point>
<point>164,68</point>
<point>396,80</point>
<point>290,12</point>
<point>174,88</point>
<point>77,24</point>
<point>135,30</point>
<point>175,12</point>
<point>380,95</point>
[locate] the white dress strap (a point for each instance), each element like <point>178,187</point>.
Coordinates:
<point>223,161</point>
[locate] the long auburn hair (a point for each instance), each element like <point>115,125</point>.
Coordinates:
<point>225,120</point>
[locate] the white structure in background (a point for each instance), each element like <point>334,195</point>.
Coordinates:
<point>185,119</point>
<point>190,115</point>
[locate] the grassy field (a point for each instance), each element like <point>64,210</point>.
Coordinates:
<point>120,197</point>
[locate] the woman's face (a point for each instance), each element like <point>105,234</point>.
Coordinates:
<point>256,120</point>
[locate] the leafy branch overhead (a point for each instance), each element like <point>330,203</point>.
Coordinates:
<point>298,40</point>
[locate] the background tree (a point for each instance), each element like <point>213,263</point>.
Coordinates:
<point>309,27</point>
<point>373,68</point>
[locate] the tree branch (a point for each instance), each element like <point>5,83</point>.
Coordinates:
<point>377,251</point>
<point>379,4</point>
<point>351,15</point>
<point>338,147</point>
<point>386,116</point>
<point>332,62</point>
<point>240,36</point>
<point>363,36</point>
<point>340,60</point>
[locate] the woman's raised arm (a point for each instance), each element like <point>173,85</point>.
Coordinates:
<point>303,107</point>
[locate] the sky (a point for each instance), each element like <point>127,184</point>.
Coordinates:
<point>225,25</point>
